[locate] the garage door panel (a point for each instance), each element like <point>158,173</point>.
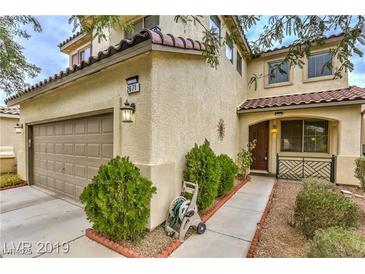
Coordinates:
<point>107,125</point>
<point>80,171</point>
<point>91,172</point>
<point>80,149</point>
<point>107,150</point>
<point>93,126</point>
<point>67,154</point>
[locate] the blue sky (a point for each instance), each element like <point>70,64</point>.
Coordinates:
<point>41,49</point>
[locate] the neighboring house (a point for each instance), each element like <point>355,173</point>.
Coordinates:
<point>73,122</point>
<point>10,142</point>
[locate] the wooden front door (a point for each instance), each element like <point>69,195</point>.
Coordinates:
<point>260,133</point>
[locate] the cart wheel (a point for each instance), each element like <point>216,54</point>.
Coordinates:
<point>170,234</point>
<point>200,229</point>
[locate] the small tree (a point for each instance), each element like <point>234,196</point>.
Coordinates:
<point>360,171</point>
<point>202,167</point>
<point>117,201</point>
<point>245,159</point>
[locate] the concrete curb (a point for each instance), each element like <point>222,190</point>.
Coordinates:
<point>97,237</point>
<point>256,238</point>
<point>14,186</point>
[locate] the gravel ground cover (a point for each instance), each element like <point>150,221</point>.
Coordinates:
<point>278,238</point>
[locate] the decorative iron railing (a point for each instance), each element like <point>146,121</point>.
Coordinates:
<point>296,168</point>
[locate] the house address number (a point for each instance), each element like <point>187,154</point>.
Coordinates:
<point>133,84</point>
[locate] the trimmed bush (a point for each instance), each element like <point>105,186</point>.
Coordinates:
<point>336,242</point>
<point>228,171</point>
<point>318,208</point>
<point>360,171</point>
<point>318,184</point>
<point>202,167</point>
<point>117,201</point>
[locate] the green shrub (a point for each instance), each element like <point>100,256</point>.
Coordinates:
<point>317,208</point>
<point>318,184</point>
<point>245,159</point>
<point>336,242</point>
<point>117,201</point>
<point>228,171</point>
<point>360,171</point>
<point>202,167</point>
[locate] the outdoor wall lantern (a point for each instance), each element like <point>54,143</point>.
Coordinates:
<point>128,111</point>
<point>274,129</point>
<point>18,128</point>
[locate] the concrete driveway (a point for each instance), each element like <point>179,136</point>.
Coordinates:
<point>38,223</point>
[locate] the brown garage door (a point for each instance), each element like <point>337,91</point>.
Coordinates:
<point>67,154</point>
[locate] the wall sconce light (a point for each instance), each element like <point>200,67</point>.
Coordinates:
<point>18,128</point>
<point>127,111</point>
<point>274,129</point>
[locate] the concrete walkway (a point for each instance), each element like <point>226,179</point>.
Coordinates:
<point>231,229</point>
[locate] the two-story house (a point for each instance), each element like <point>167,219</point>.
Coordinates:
<point>77,119</point>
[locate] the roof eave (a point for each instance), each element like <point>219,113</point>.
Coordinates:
<point>286,48</point>
<point>109,61</point>
<point>304,106</point>
<point>242,36</point>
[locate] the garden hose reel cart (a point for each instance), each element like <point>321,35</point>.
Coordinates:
<point>184,212</point>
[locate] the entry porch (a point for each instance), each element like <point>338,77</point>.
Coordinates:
<point>296,143</point>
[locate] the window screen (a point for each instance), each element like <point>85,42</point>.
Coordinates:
<point>291,135</point>
<point>215,23</point>
<point>278,72</point>
<point>304,136</point>
<point>318,65</point>
<point>151,21</point>
<point>85,54</point>
<point>315,136</point>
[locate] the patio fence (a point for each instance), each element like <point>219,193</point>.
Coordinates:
<point>297,168</point>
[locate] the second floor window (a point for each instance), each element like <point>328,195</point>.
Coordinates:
<point>229,49</point>
<point>239,63</point>
<point>75,59</point>
<point>320,64</point>
<point>215,23</point>
<point>148,22</point>
<point>85,54</point>
<point>278,72</point>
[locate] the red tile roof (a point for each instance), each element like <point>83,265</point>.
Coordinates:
<point>352,93</point>
<point>75,35</point>
<point>9,110</point>
<point>156,37</point>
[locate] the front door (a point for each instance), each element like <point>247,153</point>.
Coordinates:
<point>260,133</point>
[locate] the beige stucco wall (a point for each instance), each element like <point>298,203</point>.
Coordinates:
<point>298,83</point>
<point>188,99</point>
<point>101,91</point>
<point>8,138</point>
<point>344,139</point>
